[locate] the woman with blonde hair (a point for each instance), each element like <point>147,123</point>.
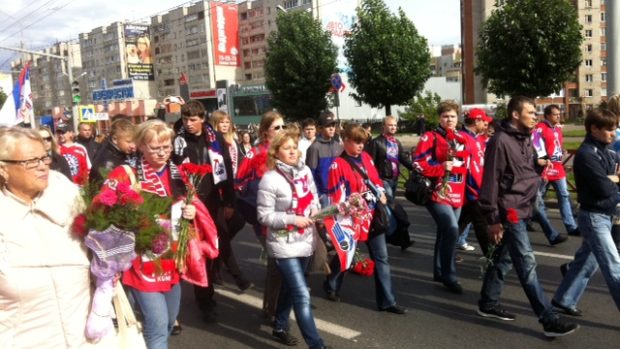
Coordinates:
<point>287,198</point>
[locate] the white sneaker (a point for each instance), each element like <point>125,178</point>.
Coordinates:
<point>465,247</point>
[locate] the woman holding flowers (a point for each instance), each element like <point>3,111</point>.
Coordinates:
<point>354,172</point>
<point>153,278</point>
<point>287,198</point>
<point>441,155</point>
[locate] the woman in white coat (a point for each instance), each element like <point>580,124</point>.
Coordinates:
<point>287,197</point>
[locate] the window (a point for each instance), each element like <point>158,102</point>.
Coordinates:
<point>588,62</point>
<point>603,31</point>
<point>588,33</point>
<point>603,76</point>
<point>588,3</point>
<point>169,82</point>
<point>193,55</point>
<point>604,61</point>
<point>589,48</point>
<point>248,76</point>
<point>588,19</point>
<point>589,92</point>
<point>603,16</point>
<point>604,46</point>
<point>589,78</point>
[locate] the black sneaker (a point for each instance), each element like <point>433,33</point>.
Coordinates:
<point>329,294</point>
<point>285,338</point>
<point>496,312</point>
<point>564,269</point>
<point>574,232</point>
<point>566,310</point>
<point>559,328</point>
<point>559,239</point>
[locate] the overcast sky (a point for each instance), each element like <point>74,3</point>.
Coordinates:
<point>39,23</point>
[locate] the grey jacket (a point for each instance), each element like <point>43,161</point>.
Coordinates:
<point>274,200</point>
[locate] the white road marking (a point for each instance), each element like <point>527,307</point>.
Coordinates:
<point>554,255</point>
<point>322,325</point>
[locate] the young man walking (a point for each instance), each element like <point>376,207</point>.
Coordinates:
<point>509,188</point>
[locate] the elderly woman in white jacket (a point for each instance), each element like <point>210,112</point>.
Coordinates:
<point>44,269</point>
<point>287,197</point>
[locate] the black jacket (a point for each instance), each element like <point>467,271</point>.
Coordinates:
<point>108,158</point>
<point>510,180</point>
<point>92,147</point>
<point>59,163</point>
<point>594,161</point>
<point>377,148</point>
<point>196,149</point>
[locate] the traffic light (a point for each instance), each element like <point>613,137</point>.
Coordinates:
<point>75,92</point>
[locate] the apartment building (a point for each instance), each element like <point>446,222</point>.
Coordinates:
<point>590,85</point>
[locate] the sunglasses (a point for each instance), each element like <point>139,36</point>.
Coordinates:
<point>48,139</point>
<point>277,128</point>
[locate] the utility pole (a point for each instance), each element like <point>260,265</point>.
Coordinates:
<point>613,47</point>
<point>67,59</point>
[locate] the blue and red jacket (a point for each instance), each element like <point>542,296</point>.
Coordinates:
<point>476,145</point>
<point>552,141</point>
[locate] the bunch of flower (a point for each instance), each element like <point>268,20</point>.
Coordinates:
<point>362,265</point>
<point>192,175</point>
<point>512,216</point>
<point>453,141</point>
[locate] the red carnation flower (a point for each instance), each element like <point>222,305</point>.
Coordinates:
<point>108,198</point>
<point>512,216</point>
<point>78,227</point>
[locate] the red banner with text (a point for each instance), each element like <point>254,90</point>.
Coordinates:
<point>224,24</point>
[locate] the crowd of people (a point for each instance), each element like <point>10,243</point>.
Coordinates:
<point>488,175</point>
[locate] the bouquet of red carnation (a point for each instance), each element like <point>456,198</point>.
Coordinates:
<point>363,266</point>
<point>192,176</point>
<point>454,139</point>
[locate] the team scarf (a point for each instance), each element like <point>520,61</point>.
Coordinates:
<point>302,195</point>
<point>151,182</point>
<point>214,149</point>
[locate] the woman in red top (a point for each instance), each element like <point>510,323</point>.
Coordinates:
<point>441,155</point>
<point>157,291</point>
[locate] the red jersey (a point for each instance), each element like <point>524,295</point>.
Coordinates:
<point>79,163</point>
<point>553,140</point>
<point>476,145</point>
<point>343,180</point>
<point>429,156</point>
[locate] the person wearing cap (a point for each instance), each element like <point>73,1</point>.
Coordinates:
<point>474,132</point>
<point>75,153</point>
<point>548,142</point>
<point>322,153</point>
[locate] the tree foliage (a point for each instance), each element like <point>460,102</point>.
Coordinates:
<point>389,60</point>
<point>529,47</point>
<point>3,97</point>
<point>423,104</point>
<point>300,60</point>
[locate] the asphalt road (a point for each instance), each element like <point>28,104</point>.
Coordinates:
<point>436,318</point>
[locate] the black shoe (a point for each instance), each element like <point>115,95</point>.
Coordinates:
<point>395,309</point>
<point>566,310</point>
<point>559,328</point>
<point>454,287</point>
<point>244,284</point>
<point>176,330</point>
<point>564,269</point>
<point>285,338</point>
<point>559,239</point>
<point>496,312</point>
<point>329,294</point>
<point>574,232</point>
<point>404,247</point>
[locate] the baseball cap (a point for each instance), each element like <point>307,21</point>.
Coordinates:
<point>326,119</point>
<point>64,126</point>
<point>478,114</point>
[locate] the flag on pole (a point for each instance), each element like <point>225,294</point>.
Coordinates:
<point>343,237</point>
<point>18,107</point>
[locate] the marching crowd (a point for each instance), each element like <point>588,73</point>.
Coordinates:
<point>489,176</point>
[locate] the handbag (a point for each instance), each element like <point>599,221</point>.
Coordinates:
<point>381,218</point>
<point>129,330</point>
<point>419,189</point>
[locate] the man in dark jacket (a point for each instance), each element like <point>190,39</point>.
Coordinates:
<point>86,137</point>
<point>117,150</point>
<point>198,143</point>
<point>508,192</point>
<point>596,176</point>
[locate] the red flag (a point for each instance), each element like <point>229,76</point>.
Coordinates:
<point>342,234</point>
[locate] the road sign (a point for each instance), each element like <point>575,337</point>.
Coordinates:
<point>87,113</point>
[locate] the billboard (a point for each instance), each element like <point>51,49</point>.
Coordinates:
<point>225,28</point>
<point>338,18</point>
<point>138,52</point>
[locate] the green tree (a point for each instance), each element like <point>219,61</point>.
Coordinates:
<point>389,60</point>
<point>3,97</point>
<point>529,47</point>
<point>423,104</point>
<point>300,60</point>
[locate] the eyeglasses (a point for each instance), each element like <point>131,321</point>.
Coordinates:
<point>33,163</point>
<point>48,139</point>
<point>165,149</point>
<point>277,128</point>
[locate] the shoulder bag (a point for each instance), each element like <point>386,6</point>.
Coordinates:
<point>419,189</point>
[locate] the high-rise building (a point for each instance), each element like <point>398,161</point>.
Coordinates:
<point>589,87</point>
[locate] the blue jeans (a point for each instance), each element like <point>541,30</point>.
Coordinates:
<point>159,310</point>
<point>377,248</point>
<point>597,249</point>
<point>390,189</point>
<point>447,221</point>
<point>515,249</point>
<point>462,240</point>
<point>566,209</point>
<point>539,214</point>
<point>294,295</point>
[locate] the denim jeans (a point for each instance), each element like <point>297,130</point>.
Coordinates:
<point>566,210</point>
<point>597,250</point>
<point>159,310</point>
<point>390,189</point>
<point>447,221</point>
<point>472,216</point>
<point>294,295</point>
<point>515,249</point>
<point>377,249</point>
<point>539,214</point>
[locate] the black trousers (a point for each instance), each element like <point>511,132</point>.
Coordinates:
<point>471,213</point>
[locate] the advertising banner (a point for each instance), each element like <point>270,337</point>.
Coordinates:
<point>138,52</point>
<point>338,18</point>
<point>224,24</point>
